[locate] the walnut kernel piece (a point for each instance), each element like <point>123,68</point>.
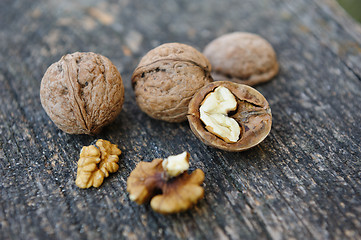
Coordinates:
<point>109,157</point>
<point>88,173</point>
<point>166,79</point>
<point>242,57</point>
<point>82,92</point>
<point>214,114</point>
<point>253,116</point>
<point>96,162</point>
<point>176,165</point>
<point>177,194</point>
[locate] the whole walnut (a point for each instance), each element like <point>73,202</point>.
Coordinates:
<point>82,92</point>
<point>166,79</point>
<point>242,57</point>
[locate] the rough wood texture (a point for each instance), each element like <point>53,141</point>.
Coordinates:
<point>302,182</point>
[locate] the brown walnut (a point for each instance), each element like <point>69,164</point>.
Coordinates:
<point>242,57</point>
<point>252,115</point>
<point>166,79</point>
<point>167,194</point>
<point>82,92</point>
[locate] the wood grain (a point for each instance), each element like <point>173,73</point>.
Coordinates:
<point>302,182</point>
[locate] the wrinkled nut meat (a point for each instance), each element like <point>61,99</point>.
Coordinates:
<point>214,114</point>
<point>166,183</point>
<point>96,162</point>
<point>216,121</point>
<point>166,79</point>
<point>176,165</point>
<point>82,92</point>
<point>242,57</point>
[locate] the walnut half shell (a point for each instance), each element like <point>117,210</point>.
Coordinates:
<point>82,92</point>
<point>252,114</point>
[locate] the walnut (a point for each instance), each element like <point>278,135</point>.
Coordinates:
<point>221,124</point>
<point>242,57</point>
<point>214,114</point>
<point>167,192</point>
<point>96,162</point>
<point>166,79</point>
<point>82,92</point>
<point>176,165</point>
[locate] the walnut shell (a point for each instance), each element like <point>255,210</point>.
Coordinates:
<point>242,57</point>
<point>82,92</point>
<point>166,79</point>
<point>253,114</point>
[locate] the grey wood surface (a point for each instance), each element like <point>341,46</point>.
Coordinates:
<point>302,182</point>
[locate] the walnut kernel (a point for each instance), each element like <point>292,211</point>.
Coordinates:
<point>82,92</point>
<point>96,162</point>
<point>166,79</point>
<point>178,193</point>
<point>252,115</point>
<point>214,114</point>
<point>176,165</point>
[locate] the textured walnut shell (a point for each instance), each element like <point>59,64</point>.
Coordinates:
<point>82,92</point>
<point>242,57</point>
<point>166,79</point>
<point>253,115</point>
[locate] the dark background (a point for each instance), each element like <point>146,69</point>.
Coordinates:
<point>353,7</point>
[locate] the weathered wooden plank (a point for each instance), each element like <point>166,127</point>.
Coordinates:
<point>342,35</point>
<point>303,181</point>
